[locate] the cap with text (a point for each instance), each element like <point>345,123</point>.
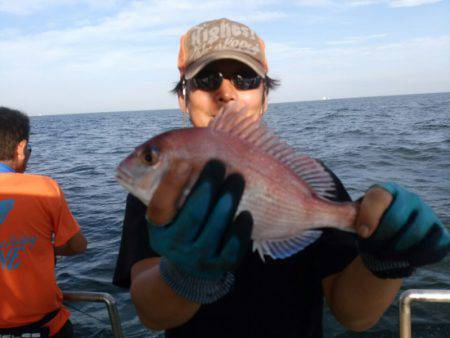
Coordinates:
<point>220,39</point>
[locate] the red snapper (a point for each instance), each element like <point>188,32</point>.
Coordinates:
<point>286,193</point>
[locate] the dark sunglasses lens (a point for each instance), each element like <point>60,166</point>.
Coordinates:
<point>246,83</point>
<point>212,81</point>
<point>208,82</point>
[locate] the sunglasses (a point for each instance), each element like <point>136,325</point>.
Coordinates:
<point>211,81</point>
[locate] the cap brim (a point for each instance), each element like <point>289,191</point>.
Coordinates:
<point>198,65</point>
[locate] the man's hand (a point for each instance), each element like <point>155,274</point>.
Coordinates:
<point>399,232</point>
<point>75,245</point>
<point>203,244</point>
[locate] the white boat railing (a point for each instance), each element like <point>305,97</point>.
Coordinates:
<point>99,297</point>
<point>405,301</point>
<point>409,296</point>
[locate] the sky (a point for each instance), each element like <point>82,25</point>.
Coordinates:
<point>78,56</point>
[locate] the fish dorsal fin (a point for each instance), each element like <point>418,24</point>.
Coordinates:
<point>235,123</point>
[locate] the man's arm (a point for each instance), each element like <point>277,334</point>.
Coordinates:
<point>357,298</point>
<point>199,247</point>
<point>397,232</point>
<point>157,305</point>
<point>75,245</point>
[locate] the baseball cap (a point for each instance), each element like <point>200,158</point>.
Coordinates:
<point>220,39</point>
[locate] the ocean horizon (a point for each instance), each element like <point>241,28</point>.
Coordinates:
<point>271,103</point>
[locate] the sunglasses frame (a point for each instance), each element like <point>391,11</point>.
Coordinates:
<point>239,83</point>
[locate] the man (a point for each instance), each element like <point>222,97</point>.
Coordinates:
<point>35,224</point>
<point>182,283</point>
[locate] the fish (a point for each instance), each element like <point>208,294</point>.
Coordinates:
<point>288,194</point>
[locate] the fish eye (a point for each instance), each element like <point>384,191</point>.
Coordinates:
<point>152,154</point>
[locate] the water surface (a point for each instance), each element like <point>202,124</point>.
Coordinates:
<point>405,139</point>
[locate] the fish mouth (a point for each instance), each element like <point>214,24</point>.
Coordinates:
<point>124,178</point>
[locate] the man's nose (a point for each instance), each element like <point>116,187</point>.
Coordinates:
<point>226,92</point>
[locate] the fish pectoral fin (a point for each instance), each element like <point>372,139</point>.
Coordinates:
<point>256,247</point>
<point>286,247</point>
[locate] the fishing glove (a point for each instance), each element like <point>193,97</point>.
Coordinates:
<point>204,243</point>
<point>409,235</point>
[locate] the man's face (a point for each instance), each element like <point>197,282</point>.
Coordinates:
<point>204,105</point>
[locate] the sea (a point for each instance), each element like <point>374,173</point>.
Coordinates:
<point>405,139</point>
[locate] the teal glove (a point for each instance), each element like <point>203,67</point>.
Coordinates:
<point>409,235</point>
<point>203,245</point>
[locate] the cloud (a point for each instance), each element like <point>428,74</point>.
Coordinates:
<point>356,39</point>
<point>30,7</point>
<point>22,7</point>
<point>124,55</point>
<point>132,47</point>
<point>354,70</point>
<point>355,3</point>
<point>138,23</point>
<point>391,3</point>
<point>262,16</point>
<point>315,3</point>
<point>361,59</point>
<point>416,46</point>
<point>358,3</point>
<point>411,3</point>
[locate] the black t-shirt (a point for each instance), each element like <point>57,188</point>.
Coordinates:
<point>275,298</point>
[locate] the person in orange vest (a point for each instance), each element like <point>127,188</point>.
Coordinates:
<point>35,224</point>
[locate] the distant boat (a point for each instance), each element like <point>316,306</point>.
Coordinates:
<point>324,98</point>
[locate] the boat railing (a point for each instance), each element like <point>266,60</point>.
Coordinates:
<point>99,297</point>
<point>405,301</point>
<point>414,295</point>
